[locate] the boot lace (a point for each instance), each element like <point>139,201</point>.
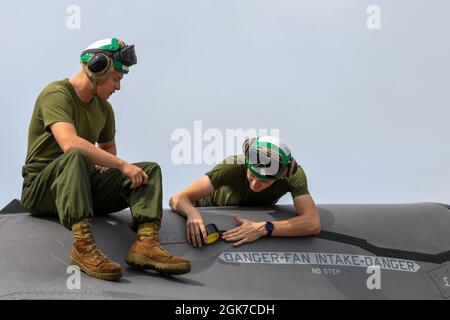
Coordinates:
<point>87,231</point>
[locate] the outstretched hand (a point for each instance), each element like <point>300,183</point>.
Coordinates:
<point>247,231</point>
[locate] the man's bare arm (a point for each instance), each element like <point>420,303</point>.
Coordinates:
<point>182,202</point>
<point>306,223</point>
<point>109,147</point>
<point>67,138</point>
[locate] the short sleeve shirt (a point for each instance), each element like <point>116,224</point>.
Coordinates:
<point>232,188</point>
<point>58,102</point>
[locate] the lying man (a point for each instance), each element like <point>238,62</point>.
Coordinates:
<point>259,177</point>
<point>67,175</point>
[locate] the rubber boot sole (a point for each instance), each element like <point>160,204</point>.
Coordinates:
<point>102,276</point>
<point>142,262</point>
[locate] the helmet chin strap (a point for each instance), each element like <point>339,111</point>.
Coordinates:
<point>92,78</point>
<point>96,79</point>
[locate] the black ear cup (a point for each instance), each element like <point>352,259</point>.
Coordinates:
<point>292,168</point>
<point>99,63</point>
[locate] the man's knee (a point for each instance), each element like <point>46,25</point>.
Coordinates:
<point>149,167</point>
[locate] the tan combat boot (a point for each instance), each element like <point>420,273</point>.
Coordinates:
<point>147,253</point>
<point>88,257</point>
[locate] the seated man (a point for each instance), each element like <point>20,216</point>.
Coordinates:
<point>66,174</point>
<point>260,177</point>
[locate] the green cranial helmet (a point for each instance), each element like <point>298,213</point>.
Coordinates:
<point>106,56</point>
<point>268,158</point>
<point>122,55</point>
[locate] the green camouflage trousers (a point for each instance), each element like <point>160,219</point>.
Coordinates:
<point>70,187</point>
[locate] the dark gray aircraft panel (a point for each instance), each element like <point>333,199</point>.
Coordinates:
<point>332,265</point>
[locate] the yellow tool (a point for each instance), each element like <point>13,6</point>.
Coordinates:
<point>213,233</point>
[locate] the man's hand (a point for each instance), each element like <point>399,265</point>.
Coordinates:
<point>137,175</point>
<point>248,231</point>
<point>101,169</point>
<point>195,230</point>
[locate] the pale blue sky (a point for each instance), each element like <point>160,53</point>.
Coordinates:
<point>365,112</point>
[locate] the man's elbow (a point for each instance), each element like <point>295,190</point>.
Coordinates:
<point>173,201</point>
<point>312,227</point>
<point>315,228</point>
<point>66,146</point>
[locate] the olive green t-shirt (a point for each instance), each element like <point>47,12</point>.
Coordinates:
<point>58,102</point>
<point>232,188</point>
